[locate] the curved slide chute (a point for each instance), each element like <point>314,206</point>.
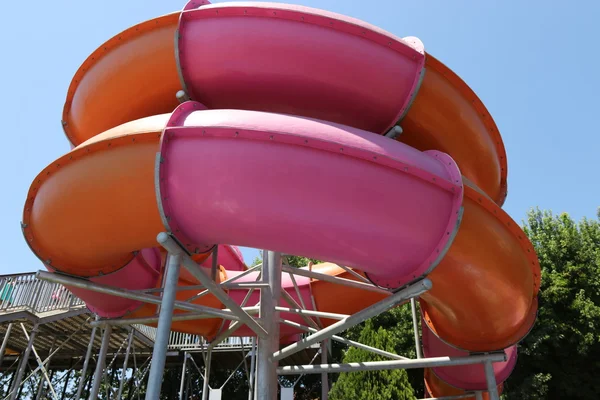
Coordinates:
<point>284,147</point>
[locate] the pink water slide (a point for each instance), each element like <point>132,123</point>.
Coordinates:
<point>298,131</point>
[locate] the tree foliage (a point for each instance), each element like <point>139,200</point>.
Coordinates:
<point>367,385</point>
<point>391,331</point>
<point>560,357</point>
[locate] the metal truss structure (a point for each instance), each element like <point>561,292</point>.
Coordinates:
<point>264,320</point>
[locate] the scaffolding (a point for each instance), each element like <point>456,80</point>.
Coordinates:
<point>122,339</point>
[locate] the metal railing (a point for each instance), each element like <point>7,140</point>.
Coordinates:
<point>187,341</point>
<point>23,292</point>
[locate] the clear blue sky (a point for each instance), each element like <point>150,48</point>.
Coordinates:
<point>531,62</point>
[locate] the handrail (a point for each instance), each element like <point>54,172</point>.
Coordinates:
<point>24,292</point>
<point>187,341</point>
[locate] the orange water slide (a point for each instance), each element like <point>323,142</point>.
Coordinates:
<point>484,289</point>
<point>134,75</point>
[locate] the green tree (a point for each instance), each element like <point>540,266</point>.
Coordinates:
<point>367,385</point>
<point>560,357</point>
<point>398,324</point>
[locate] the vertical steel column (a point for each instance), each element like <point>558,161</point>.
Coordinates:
<point>66,385</point>
<point>269,298</point>
<point>324,378</point>
<point>5,343</point>
<point>252,368</point>
<point>86,362</point>
<point>491,380</point>
<point>215,264</point>
<point>122,380</point>
<point>98,375</point>
<point>478,396</point>
<point>182,384</point>
<point>23,364</point>
<point>42,378</point>
<point>205,387</point>
<point>163,331</point>
<point>413,307</point>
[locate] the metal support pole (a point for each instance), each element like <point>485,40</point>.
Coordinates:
<point>163,331</point>
<point>182,384</point>
<point>86,362</point>
<point>128,294</point>
<point>66,385</point>
<point>394,364</point>
<point>205,386</point>
<point>170,245</point>
<point>40,388</point>
<point>252,368</point>
<point>269,298</point>
<point>42,381</point>
<point>98,375</point>
<point>490,377</point>
<point>413,307</point>
<point>43,372</point>
<point>23,364</point>
<point>324,378</point>
<point>122,380</point>
<point>413,290</point>
<point>5,342</point>
<point>347,341</point>
<point>478,396</point>
<point>312,313</point>
<point>333,279</point>
<point>215,264</point>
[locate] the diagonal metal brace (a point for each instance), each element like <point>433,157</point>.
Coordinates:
<point>413,290</point>
<point>173,247</point>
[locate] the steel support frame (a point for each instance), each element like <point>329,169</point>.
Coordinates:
<point>266,368</point>
<point>431,362</point>
<point>88,355</point>
<point>23,363</point>
<point>413,290</point>
<point>266,354</point>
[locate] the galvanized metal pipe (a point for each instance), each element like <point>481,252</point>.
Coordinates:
<point>170,245</point>
<point>101,363</point>
<point>122,380</point>
<point>324,378</point>
<point>355,274</point>
<point>251,380</point>
<point>312,313</point>
<point>44,374</point>
<point>5,342</point>
<point>347,341</point>
<point>205,385</point>
<point>183,373</point>
<point>23,363</point>
<point>413,307</point>
<point>457,397</point>
<point>150,320</point>
<point>163,331</point>
<point>147,298</point>
<point>267,367</point>
<point>215,264</point>
<point>292,302</point>
<point>490,377</point>
<point>227,281</point>
<point>392,364</point>
<point>333,279</point>
<point>224,335</point>
<point>413,290</point>
<point>41,363</point>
